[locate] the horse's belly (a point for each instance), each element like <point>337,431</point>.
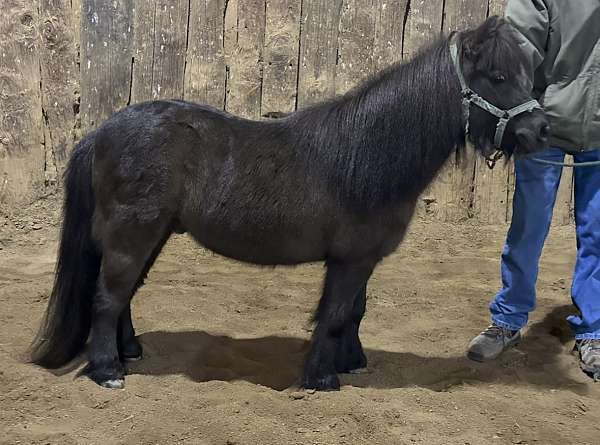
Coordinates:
<point>258,245</point>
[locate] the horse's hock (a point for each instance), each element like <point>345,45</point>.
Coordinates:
<point>65,66</point>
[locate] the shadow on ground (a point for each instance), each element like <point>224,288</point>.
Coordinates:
<point>276,362</point>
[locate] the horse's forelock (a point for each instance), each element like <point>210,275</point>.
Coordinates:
<point>498,48</point>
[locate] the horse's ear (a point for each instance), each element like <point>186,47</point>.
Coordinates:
<point>493,22</point>
<point>471,45</point>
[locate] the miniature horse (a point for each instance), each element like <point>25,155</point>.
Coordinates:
<point>334,182</point>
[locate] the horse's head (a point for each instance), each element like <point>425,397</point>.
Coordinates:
<point>496,70</point>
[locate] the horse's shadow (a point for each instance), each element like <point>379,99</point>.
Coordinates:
<point>276,362</point>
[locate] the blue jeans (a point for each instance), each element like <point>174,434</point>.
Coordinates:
<point>535,193</point>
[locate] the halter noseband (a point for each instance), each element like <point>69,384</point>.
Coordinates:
<point>471,97</point>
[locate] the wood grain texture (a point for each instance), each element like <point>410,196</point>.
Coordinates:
<point>244,51</point>
<point>22,153</point>
<point>280,56</point>
<point>205,59</point>
<point>160,30</point>
<point>497,7</point>
<point>355,44</point>
<point>389,28</point>
<point>59,60</point>
<point>564,208</point>
<point>423,25</point>
<point>318,50</point>
<point>106,54</point>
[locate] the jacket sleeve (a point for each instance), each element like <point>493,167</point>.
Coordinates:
<point>531,19</point>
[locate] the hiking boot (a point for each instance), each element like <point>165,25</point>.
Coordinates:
<point>492,342</point>
<point>589,356</point>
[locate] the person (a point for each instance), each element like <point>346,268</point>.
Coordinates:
<point>562,40</point>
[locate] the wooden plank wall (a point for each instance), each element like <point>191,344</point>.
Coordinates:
<point>68,64</point>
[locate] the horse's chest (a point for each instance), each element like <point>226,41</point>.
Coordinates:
<point>377,236</point>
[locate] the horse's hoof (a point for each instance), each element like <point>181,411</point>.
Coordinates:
<point>358,371</point>
<point>110,375</point>
<point>327,383</point>
<point>113,384</point>
<point>131,351</point>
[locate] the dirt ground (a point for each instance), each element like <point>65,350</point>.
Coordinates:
<point>224,344</point>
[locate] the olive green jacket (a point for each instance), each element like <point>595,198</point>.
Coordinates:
<point>562,39</point>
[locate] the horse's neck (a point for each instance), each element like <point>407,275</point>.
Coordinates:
<point>402,127</point>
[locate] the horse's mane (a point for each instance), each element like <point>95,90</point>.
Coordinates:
<point>389,136</point>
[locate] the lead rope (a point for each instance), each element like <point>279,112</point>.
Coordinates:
<point>566,164</point>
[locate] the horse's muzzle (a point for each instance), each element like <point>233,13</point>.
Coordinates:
<point>534,136</point>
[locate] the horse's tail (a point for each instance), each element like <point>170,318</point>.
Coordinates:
<point>66,324</point>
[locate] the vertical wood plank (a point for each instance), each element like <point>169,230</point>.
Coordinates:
<point>244,51</point>
<point>497,7</point>
<point>564,212</point>
<point>106,52</point>
<point>282,43</point>
<point>21,133</point>
<point>355,44</point>
<point>389,24</point>
<point>59,81</point>
<point>160,29</point>
<point>318,50</point>
<point>491,192</point>
<point>423,25</point>
<point>76,21</point>
<point>492,188</point>
<point>460,15</point>
<point>205,61</point>
<point>510,189</point>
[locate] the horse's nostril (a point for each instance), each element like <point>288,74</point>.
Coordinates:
<point>544,131</point>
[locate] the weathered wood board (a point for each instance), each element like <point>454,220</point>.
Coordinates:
<point>22,144</point>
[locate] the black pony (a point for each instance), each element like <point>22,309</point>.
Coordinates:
<point>337,182</point>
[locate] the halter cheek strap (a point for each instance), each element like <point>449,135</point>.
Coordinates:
<point>471,97</point>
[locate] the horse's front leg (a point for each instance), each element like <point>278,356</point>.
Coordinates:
<point>350,356</point>
<point>343,282</point>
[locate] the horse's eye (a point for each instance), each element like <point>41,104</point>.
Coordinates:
<point>499,78</point>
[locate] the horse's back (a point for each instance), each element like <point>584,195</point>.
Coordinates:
<point>238,186</point>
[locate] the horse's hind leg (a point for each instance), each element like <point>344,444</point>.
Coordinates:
<point>342,283</point>
<point>129,346</point>
<point>349,356</point>
<point>125,252</point>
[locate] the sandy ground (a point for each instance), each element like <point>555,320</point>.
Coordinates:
<point>224,344</point>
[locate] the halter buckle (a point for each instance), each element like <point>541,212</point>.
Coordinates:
<point>491,160</point>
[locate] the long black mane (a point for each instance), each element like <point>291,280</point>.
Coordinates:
<point>390,135</point>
